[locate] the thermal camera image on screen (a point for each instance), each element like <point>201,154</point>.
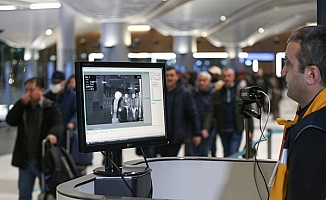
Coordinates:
<point>115,99</point>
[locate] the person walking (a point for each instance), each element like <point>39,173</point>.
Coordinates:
<point>182,115</point>
<point>225,110</point>
<point>203,94</point>
<point>37,118</point>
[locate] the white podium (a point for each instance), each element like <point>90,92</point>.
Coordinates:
<point>187,178</point>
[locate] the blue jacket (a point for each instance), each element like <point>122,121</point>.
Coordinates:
<point>183,119</point>
<point>68,107</point>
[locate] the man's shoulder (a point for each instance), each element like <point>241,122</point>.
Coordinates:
<point>319,114</point>
<point>315,120</point>
<point>47,102</point>
<point>50,95</point>
<point>183,90</point>
<point>69,92</point>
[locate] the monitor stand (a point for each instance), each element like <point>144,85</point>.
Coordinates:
<point>113,166</point>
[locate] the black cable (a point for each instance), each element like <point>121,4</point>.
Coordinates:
<point>142,151</point>
<point>147,167</point>
<point>256,163</point>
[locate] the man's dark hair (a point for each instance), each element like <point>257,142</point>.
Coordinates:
<point>39,82</point>
<point>312,40</point>
<point>170,68</point>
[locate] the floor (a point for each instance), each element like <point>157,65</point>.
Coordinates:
<point>9,174</point>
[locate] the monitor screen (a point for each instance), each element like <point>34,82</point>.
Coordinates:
<point>120,105</point>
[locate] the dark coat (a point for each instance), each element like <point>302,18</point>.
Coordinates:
<point>68,109</point>
<point>67,104</point>
<point>217,109</point>
<point>203,99</point>
<point>51,124</point>
<point>184,120</point>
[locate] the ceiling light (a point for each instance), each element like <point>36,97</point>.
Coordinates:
<point>255,66</point>
<point>243,55</point>
<point>311,24</point>
<point>139,55</point>
<point>163,56</point>
<point>155,56</point>
<point>261,30</point>
<point>139,28</point>
<point>211,55</point>
<point>45,5</point>
<point>204,34</point>
<point>93,56</point>
<point>8,7</point>
<point>222,18</point>
<point>48,31</point>
<point>279,63</point>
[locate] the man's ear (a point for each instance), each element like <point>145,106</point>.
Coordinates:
<point>313,75</point>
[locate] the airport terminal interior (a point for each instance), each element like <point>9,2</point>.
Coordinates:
<point>191,36</point>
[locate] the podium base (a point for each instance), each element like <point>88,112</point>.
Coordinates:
<point>133,182</point>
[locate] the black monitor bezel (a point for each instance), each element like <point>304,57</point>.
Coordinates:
<point>117,145</point>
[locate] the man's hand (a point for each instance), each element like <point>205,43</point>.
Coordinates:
<point>25,99</point>
<point>196,140</point>
<point>52,138</point>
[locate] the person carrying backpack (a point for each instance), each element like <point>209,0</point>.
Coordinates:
<point>37,118</point>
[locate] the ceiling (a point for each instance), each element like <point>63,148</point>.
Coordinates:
<point>25,27</point>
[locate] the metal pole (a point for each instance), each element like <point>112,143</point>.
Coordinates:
<point>269,144</point>
<point>248,145</point>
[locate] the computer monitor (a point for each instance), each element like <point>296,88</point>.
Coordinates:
<point>120,105</point>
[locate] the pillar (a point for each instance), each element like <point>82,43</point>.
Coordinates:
<point>115,39</point>
<point>233,58</point>
<point>30,56</point>
<point>66,40</point>
<point>50,71</point>
<point>184,47</point>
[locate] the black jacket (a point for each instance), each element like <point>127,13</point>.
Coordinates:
<point>184,121</point>
<point>51,123</point>
<point>217,109</point>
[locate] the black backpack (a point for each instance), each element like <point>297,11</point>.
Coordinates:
<point>57,166</point>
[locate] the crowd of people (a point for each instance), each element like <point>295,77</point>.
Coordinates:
<point>204,105</point>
